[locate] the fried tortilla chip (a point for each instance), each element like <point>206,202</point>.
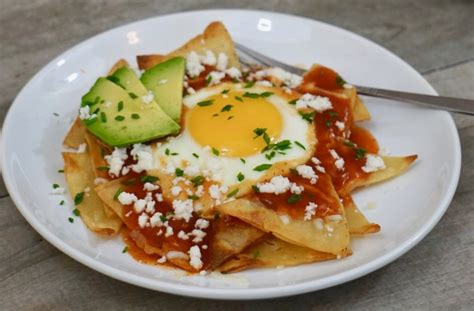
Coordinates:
<point>309,234</point>
<point>357,222</point>
<point>80,176</point>
<point>360,111</point>
<point>76,135</point>
<point>215,38</point>
<point>119,64</point>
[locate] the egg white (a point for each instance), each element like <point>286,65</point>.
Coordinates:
<point>224,170</point>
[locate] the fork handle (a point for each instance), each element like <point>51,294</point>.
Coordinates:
<point>460,105</point>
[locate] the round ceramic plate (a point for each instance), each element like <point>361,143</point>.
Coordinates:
<point>406,207</point>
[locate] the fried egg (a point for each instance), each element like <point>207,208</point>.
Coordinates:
<point>236,137</point>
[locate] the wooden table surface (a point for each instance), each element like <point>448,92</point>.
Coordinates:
<point>436,37</point>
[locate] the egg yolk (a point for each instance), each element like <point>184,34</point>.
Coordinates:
<point>227,123</point>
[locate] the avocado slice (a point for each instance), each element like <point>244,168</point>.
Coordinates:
<point>121,116</point>
<point>165,80</point>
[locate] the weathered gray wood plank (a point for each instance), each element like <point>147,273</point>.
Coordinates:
<point>438,273</point>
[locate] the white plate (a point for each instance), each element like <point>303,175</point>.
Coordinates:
<point>407,207</point>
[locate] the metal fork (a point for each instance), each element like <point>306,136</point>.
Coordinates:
<point>465,106</point>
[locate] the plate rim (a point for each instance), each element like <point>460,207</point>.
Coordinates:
<point>191,290</point>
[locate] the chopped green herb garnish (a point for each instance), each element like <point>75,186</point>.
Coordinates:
<point>215,151</point>
<point>208,80</point>
<point>225,91</point>
<point>193,197</point>
<point>259,131</point>
<point>360,153</point>
<point>240,176</point>
<point>79,198</point>
<point>251,95</point>
<point>195,155</point>
<point>71,220</point>
<point>55,186</point>
<point>117,193</point>
<point>255,188</point>
<point>279,146</point>
<point>327,123</point>
<point>103,168</point>
<point>125,249</point>
<point>349,143</point>
<point>262,167</point>
<point>242,160</point>
<point>198,180</point>
<point>91,121</point>
<point>120,106</point>
<point>239,98</point>
<point>333,114</point>
<point>230,117</point>
<point>167,151</point>
<point>233,192</point>
<point>300,145</point>
<point>294,198</point>
<point>266,94</point>
<point>226,108</point>
<point>215,115</point>
<point>56,114</point>
<point>293,102</point>
<point>205,103</point>
<point>119,118</point>
<point>178,172</point>
<point>249,84</point>
<point>133,95</point>
<point>308,116</point>
<point>270,155</point>
<point>62,202</point>
<point>163,218</point>
<point>76,212</point>
<point>151,179</point>
<point>135,116</point>
<point>103,117</point>
<point>340,81</point>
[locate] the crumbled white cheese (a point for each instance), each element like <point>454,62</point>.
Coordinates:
<point>176,190</point>
<point>340,125</point>
<point>182,235</point>
<point>116,160</point>
<point>234,73</point>
<point>296,189</point>
<point>148,186</point>
<point>199,191</point>
<point>82,148</point>
<point>192,170</point>
<point>307,172</point>
<point>315,160</point>
<point>144,156</point>
<point>163,81</point>
<point>339,161</point>
<point>150,206</point>
<point>215,77</point>
<point>155,220</point>
<point>161,260</point>
<point>142,220</point>
<point>289,79</point>
<point>159,197</point>
<point>84,113</point>
<point>183,209</point>
<point>148,98</point>
<point>198,235</point>
<point>373,163</point>
<point>320,169</point>
<point>277,185</point>
<point>348,86</point>
<point>310,210</point>
<point>126,198</point>
<point>317,103</point>
<point>195,257</point>
<point>285,219</point>
<point>125,170</point>
<point>139,206</point>
<point>208,58</point>
<point>193,64</point>
<point>99,181</point>
<point>222,61</point>
<point>201,223</point>
<point>169,231</point>
<point>190,91</point>
<point>264,83</point>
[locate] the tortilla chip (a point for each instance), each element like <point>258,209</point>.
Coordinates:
<point>119,64</point>
<point>215,38</point>
<point>357,222</point>
<point>298,232</point>
<point>79,176</point>
<point>231,236</point>
<point>360,111</point>
<point>76,135</point>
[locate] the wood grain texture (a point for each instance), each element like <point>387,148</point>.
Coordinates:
<point>435,36</point>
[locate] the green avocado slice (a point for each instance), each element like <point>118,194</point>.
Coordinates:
<point>120,117</point>
<point>165,80</point>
